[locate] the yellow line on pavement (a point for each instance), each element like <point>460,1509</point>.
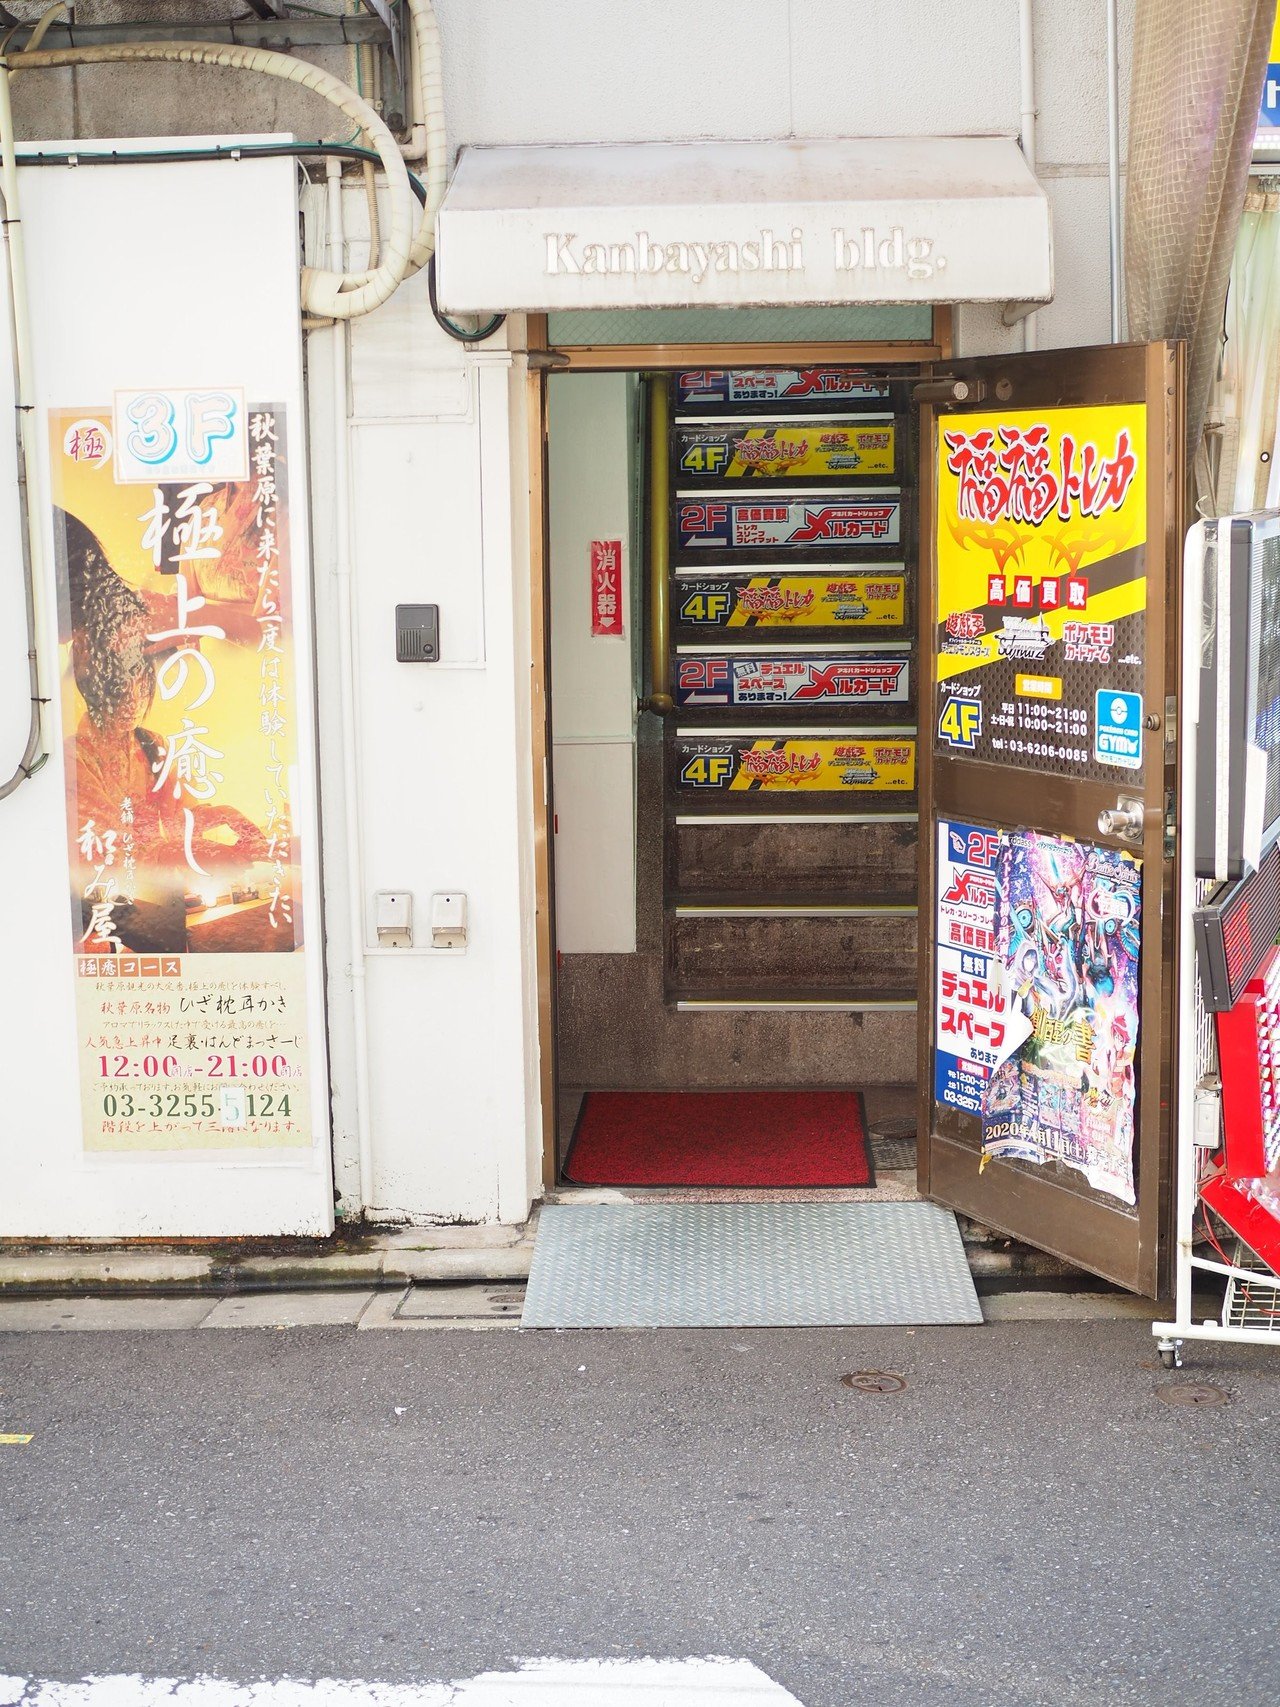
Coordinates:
<point>15,1439</point>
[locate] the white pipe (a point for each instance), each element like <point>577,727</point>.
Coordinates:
<point>1233,1271</point>
<point>1186,1154</point>
<point>332,294</point>
<point>347,670</point>
<point>426,46</point>
<point>1113,162</point>
<point>1027,122</point>
<point>428,130</point>
<point>1215,1331</point>
<point>36,750</point>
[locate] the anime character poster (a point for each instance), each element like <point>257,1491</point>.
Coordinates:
<point>171,543</point>
<point>1068,927</point>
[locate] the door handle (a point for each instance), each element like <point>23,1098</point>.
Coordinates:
<point>1125,820</point>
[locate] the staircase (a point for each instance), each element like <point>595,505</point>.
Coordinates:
<point>790,833</point>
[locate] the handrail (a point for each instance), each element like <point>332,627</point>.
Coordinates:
<point>659,419</point>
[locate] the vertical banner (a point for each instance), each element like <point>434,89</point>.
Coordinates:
<point>974,1029</point>
<point>1042,589</point>
<point>606,588</point>
<point>179,700</point>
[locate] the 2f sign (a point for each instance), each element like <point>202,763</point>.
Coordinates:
<point>164,436</point>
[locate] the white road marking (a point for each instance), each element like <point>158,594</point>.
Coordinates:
<point>707,1682</point>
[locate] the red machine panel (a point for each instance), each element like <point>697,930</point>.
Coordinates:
<point>1246,1194</point>
<point>1251,1208</point>
<point>1249,1053</point>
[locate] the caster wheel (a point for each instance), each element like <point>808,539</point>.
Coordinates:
<point>1169,1359</point>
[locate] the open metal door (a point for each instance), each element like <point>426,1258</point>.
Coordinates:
<point>1051,502</point>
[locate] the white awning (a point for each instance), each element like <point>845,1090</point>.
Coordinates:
<point>743,224</point>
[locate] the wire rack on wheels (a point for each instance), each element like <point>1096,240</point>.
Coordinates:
<point>1250,1311</point>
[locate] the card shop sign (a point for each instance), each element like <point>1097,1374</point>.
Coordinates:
<point>606,588</point>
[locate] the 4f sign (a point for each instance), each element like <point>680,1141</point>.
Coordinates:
<point>960,723</point>
<point>164,436</point>
<point>707,770</point>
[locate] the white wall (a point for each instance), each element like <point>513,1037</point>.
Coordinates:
<point>438,449</point>
<point>580,71</point>
<point>576,71</point>
<point>590,446</point>
<point>444,775</point>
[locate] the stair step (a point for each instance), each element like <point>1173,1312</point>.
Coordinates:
<point>776,953</point>
<point>788,905</point>
<point>833,858</point>
<point>798,1001</point>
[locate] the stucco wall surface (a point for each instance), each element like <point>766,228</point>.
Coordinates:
<point>438,474</point>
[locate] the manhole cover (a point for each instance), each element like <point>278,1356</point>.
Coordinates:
<point>1193,1393</point>
<point>873,1381</point>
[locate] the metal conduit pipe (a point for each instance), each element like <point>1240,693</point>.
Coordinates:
<point>430,89</point>
<point>34,752</point>
<point>331,295</point>
<point>297,30</point>
<point>429,139</point>
<point>341,411</point>
<point>659,402</point>
<point>1027,102</point>
<point>1113,162</point>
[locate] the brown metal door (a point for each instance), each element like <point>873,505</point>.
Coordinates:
<point>1049,539</point>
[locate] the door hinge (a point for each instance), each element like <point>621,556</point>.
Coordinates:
<point>948,391</point>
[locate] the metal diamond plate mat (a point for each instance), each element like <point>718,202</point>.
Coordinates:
<point>737,1265</point>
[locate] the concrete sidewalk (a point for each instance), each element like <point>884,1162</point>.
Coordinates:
<point>465,1306</point>
<point>374,1259</point>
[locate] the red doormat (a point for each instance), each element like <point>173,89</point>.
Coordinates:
<point>720,1138</point>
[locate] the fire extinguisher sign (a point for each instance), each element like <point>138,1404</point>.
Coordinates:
<point>606,588</point>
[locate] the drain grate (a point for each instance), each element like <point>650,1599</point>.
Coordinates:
<point>892,1154</point>
<point>1193,1395</point>
<point>873,1381</point>
<point>463,1306</point>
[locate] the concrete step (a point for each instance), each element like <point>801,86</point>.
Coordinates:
<point>839,858</point>
<point>774,952</point>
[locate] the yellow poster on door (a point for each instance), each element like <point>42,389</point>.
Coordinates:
<point>1042,588</point>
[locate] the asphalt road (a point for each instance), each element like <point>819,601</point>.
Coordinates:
<point>1025,1522</point>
